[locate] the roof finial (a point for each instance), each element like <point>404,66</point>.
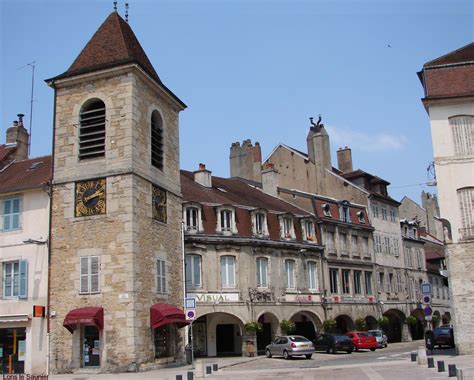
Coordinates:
<point>115,6</point>
<point>126,12</point>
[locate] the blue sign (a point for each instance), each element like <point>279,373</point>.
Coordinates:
<point>428,310</point>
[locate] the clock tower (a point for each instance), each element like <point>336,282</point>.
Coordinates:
<point>116,248</point>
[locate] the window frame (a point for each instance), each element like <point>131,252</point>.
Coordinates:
<point>226,284</point>
<point>309,234</point>
<point>259,227</point>
<point>357,276</point>
<point>11,215</point>
<point>221,221</point>
<point>192,282</point>
<point>290,275</point>
<point>20,277</point>
<point>346,281</point>
<point>89,275</point>
<point>313,281</point>
<point>189,228</point>
<point>334,280</point>
<point>368,283</point>
<point>161,283</point>
<point>287,228</point>
<point>262,274</point>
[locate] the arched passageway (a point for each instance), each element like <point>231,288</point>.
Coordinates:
<point>269,324</point>
<point>371,323</point>
<point>417,330</point>
<point>393,329</point>
<point>446,320</point>
<point>344,324</point>
<point>307,324</point>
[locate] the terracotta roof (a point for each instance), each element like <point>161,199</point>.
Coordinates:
<point>462,55</point>
<point>26,174</point>
<point>5,151</point>
<point>113,44</point>
<point>433,255</point>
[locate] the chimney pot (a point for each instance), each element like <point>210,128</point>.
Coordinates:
<point>20,118</point>
<point>15,123</point>
<point>202,166</point>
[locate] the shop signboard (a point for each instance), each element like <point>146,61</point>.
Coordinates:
<point>214,297</point>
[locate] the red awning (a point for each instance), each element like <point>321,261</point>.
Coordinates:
<point>162,314</point>
<point>84,316</point>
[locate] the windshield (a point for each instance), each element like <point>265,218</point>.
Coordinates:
<point>442,330</point>
<point>363,335</point>
<point>375,333</point>
<point>298,339</point>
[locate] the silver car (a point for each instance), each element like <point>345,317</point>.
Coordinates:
<point>290,345</point>
<point>380,337</point>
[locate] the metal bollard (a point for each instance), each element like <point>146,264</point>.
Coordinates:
<point>452,370</point>
<point>430,363</point>
<point>190,375</point>
<point>179,377</point>
<point>441,366</point>
<point>413,356</point>
<point>215,367</point>
<point>208,370</point>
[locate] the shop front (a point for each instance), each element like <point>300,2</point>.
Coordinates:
<point>13,350</point>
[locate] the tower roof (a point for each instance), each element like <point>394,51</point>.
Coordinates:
<point>113,44</point>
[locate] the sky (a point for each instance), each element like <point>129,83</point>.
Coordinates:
<point>257,69</point>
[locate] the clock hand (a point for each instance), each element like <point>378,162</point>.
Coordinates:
<point>96,194</point>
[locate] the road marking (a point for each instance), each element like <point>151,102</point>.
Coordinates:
<point>383,357</point>
<point>371,373</point>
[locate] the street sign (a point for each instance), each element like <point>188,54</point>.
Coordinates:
<point>426,299</point>
<point>190,315</point>
<point>426,288</point>
<point>428,311</point>
<point>190,303</point>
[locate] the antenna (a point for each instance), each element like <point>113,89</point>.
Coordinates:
<point>115,6</point>
<point>32,65</point>
<point>126,12</point>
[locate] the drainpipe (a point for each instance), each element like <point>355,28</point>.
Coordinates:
<point>324,301</point>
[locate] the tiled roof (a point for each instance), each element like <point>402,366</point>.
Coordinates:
<point>113,44</point>
<point>433,255</point>
<point>461,55</point>
<point>5,151</point>
<point>26,174</point>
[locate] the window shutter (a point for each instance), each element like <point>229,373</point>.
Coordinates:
<point>23,279</point>
<point>84,288</point>
<point>163,276</point>
<point>94,274</point>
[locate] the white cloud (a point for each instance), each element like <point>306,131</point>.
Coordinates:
<point>343,136</point>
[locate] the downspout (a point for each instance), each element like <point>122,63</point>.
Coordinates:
<point>48,302</point>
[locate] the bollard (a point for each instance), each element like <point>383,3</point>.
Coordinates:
<point>215,367</point>
<point>179,377</point>
<point>208,370</point>
<point>441,366</point>
<point>422,356</point>
<point>190,375</point>
<point>430,363</point>
<point>452,370</point>
<point>413,356</point>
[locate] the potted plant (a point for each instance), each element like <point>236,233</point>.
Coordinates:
<point>361,324</point>
<point>383,321</point>
<point>253,327</point>
<point>435,320</point>
<point>411,320</point>
<point>330,325</point>
<point>287,326</point>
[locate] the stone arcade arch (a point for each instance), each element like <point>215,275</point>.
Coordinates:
<point>371,323</point>
<point>446,319</point>
<point>417,330</point>
<point>307,323</point>
<point>218,334</point>
<point>344,324</point>
<point>436,319</point>
<point>270,328</point>
<point>395,326</point>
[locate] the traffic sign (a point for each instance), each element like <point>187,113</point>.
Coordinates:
<point>426,288</point>
<point>190,315</point>
<point>426,299</point>
<point>190,303</point>
<point>428,310</point>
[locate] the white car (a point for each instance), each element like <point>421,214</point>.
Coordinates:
<point>381,338</point>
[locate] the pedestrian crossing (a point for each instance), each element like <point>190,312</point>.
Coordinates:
<point>394,355</point>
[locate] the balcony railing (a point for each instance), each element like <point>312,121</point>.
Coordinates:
<point>466,233</point>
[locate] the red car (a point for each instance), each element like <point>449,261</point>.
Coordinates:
<point>362,339</point>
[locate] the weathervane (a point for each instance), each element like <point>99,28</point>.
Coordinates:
<point>115,6</point>
<point>126,12</point>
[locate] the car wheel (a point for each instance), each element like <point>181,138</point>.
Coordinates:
<point>328,350</point>
<point>349,352</point>
<point>286,355</point>
<point>334,350</point>
<point>372,349</point>
<point>308,356</point>
<point>268,353</point>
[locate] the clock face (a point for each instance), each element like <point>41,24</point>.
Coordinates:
<point>90,197</point>
<point>159,204</point>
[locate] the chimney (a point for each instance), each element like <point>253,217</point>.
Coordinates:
<point>203,176</point>
<point>246,161</point>
<point>17,134</point>
<point>270,180</point>
<point>344,160</point>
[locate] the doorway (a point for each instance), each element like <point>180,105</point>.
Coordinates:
<point>13,350</point>
<point>91,347</point>
<point>225,339</point>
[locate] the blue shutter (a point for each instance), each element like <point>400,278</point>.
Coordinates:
<point>23,279</point>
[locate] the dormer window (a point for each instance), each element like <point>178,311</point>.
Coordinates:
<point>344,212</point>
<point>361,216</point>
<point>92,130</point>
<point>326,210</point>
<point>286,227</point>
<point>192,218</point>
<point>225,221</point>
<point>308,230</point>
<point>259,223</point>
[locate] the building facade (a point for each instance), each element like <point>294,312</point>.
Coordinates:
<point>24,230</point>
<point>449,102</point>
<point>116,251</point>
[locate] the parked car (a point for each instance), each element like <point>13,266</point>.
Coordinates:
<point>331,343</point>
<point>362,339</point>
<point>380,337</point>
<point>290,345</point>
<point>443,336</point>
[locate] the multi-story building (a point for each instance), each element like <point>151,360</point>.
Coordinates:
<point>24,230</point>
<point>116,247</point>
<point>449,102</point>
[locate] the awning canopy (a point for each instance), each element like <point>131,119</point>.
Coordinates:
<point>12,318</point>
<point>162,314</point>
<point>84,316</point>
